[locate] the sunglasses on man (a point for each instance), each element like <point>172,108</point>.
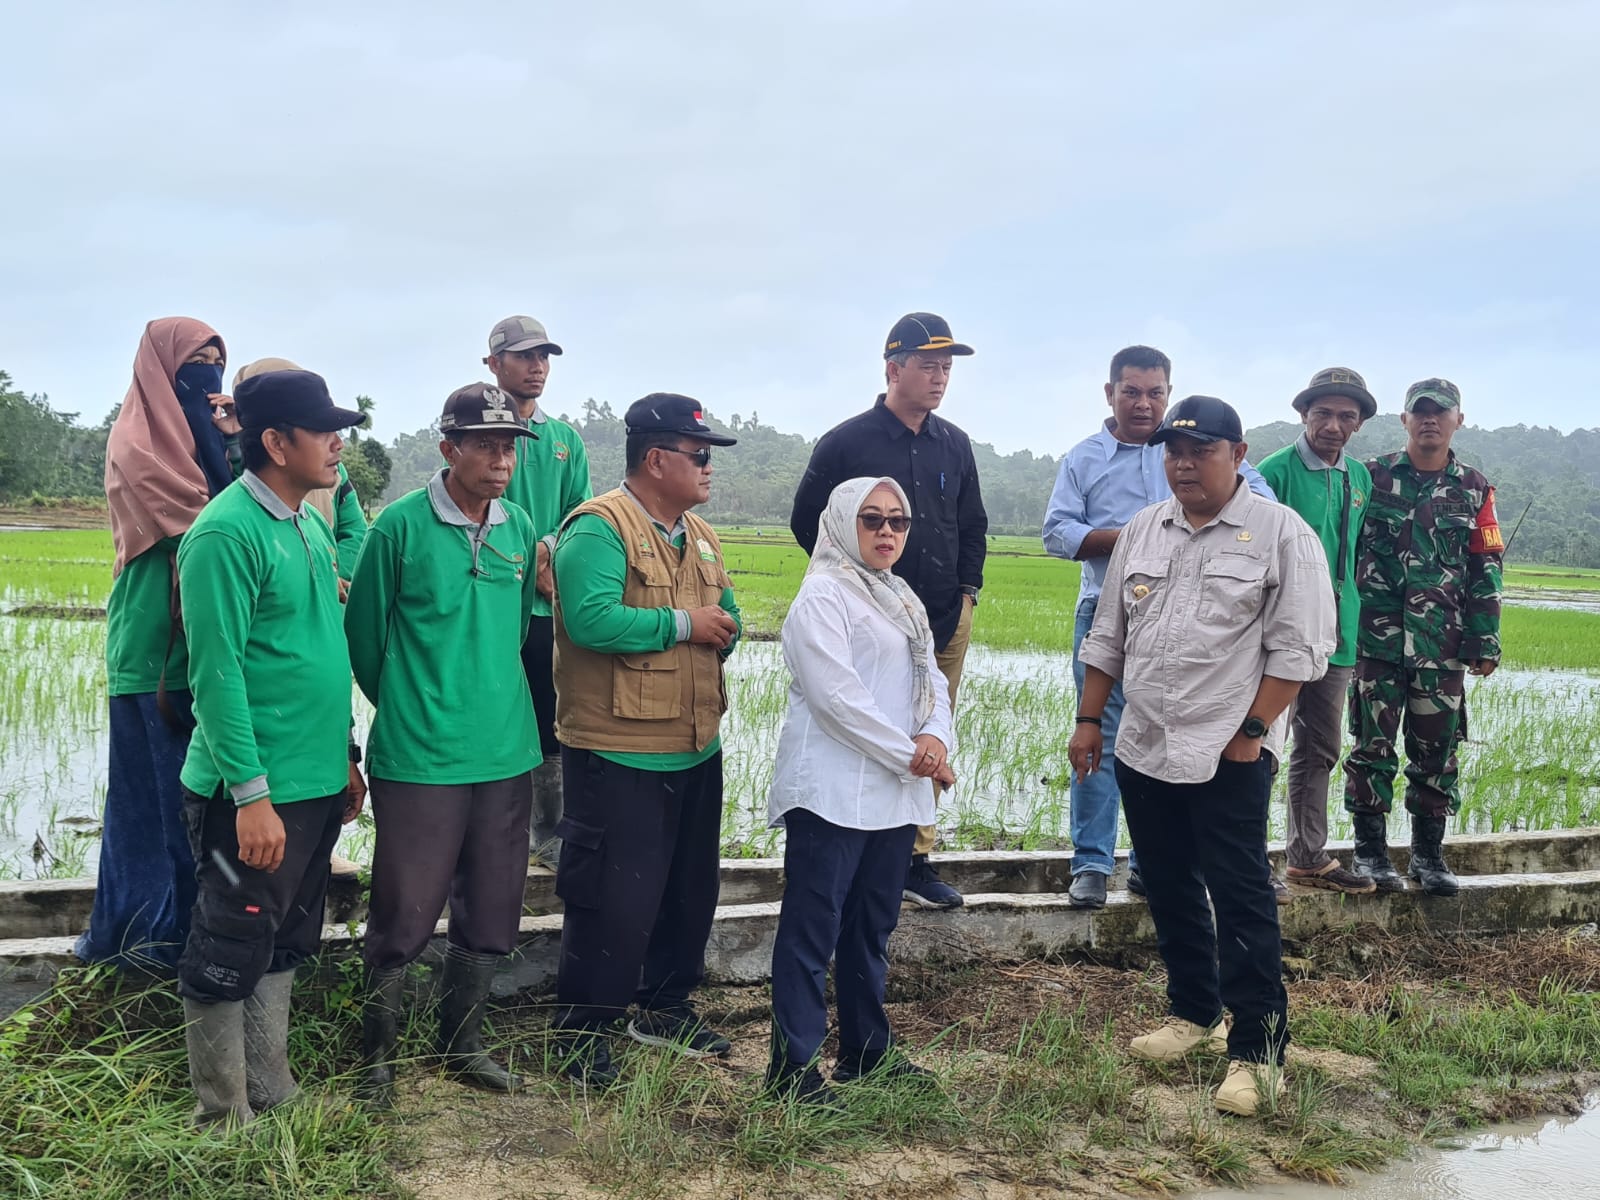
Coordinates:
<point>700,458</point>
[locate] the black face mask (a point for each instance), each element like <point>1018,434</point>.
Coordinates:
<point>195,384</point>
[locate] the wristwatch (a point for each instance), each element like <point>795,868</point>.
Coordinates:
<point>971,592</point>
<point>1254,727</point>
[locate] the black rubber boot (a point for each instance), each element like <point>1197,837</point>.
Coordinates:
<point>467,976</point>
<point>1372,851</point>
<point>1427,857</point>
<point>380,1034</point>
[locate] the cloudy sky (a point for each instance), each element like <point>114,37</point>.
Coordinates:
<point>737,200</point>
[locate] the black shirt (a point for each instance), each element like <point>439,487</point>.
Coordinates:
<point>945,548</point>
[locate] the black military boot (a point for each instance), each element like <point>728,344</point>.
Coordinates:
<point>1372,851</point>
<point>380,1033</point>
<point>1427,857</point>
<point>467,976</point>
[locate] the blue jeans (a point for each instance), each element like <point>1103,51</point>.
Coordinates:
<point>1095,800</point>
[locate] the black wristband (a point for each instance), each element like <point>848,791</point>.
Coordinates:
<point>1095,721</point>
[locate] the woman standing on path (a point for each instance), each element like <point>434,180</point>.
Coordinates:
<point>868,725</point>
<point>167,455</point>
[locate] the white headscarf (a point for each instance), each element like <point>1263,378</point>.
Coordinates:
<point>838,554</point>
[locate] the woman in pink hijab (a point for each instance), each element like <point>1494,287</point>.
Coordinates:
<point>167,455</point>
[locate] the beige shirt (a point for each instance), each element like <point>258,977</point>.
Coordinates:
<point>1200,616</point>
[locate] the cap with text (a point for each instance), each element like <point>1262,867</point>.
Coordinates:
<point>1441,391</point>
<point>520,333</point>
<point>1203,418</point>
<point>917,332</point>
<point>295,398</point>
<point>668,412</point>
<point>482,406</point>
<point>1338,381</point>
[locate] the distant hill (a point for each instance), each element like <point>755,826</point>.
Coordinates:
<point>1559,473</point>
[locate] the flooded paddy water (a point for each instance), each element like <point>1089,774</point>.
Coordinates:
<point>1533,762</point>
<point>1555,1158</point>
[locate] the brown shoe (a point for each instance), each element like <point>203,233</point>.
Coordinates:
<point>1333,878</point>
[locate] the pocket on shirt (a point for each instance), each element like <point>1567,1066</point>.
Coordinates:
<point>1231,590</point>
<point>1144,589</point>
<point>646,687</point>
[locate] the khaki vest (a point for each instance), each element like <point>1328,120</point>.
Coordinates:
<point>664,701</point>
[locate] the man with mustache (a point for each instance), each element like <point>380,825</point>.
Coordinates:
<point>438,605</point>
<point>1329,490</point>
<point>1428,573</point>
<point>1103,481</point>
<point>269,776</point>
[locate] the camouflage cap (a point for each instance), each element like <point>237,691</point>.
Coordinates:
<point>1441,391</point>
<point>1338,381</point>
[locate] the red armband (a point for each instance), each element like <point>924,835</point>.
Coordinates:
<point>1486,537</point>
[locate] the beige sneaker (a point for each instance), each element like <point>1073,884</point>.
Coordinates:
<point>1241,1092</point>
<point>1179,1037</point>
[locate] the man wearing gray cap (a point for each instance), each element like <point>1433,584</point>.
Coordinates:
<point>550,480</point>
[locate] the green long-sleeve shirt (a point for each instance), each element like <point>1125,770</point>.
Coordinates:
<point>141,636</point>
<point>437,613</point>
<point>551,479</point>
<point>349,524</point>
<point>1333,501</point>
<point>591,566</point>
<point>268,664</point>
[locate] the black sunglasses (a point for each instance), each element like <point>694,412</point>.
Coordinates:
<point>701,457</point>
<point>876,521</point>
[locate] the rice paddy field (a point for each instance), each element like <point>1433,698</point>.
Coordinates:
<point>1534,761</point>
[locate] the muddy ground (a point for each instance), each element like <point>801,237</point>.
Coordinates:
<point>1036,1099</point>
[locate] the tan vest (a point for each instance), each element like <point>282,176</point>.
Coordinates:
<point>664,701</point>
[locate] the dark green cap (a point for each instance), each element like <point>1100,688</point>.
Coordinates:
<point>1441,391</point>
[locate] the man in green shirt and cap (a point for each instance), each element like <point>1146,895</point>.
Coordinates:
<point>644,617</point>
<point>438,607</point>
<point>268,778</point>
<point>551,479</point>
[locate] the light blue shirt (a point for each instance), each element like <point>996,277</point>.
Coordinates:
<point>1101,485</point>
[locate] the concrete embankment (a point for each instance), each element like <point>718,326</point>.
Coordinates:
<point>1016,909</point>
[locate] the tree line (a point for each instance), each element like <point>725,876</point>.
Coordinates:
<point>1551,476</point>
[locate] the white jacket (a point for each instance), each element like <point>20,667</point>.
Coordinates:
<point>845,750</point>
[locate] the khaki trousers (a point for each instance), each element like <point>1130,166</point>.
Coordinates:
<point>950,659</point>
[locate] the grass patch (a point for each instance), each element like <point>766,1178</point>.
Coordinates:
<point>1033,1086</point>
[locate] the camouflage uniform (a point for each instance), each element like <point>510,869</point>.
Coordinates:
<point>1429,581</point>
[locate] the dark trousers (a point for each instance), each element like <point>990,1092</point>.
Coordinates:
<point>146,882</point>
<point>841,900</point>
<point>538,662</point>
<point>1195,838</point>
<point>254,923</point>
<point>639,877</point>
<point>465,843</point>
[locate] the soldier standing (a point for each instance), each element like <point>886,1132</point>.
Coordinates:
<point>1428,572</point>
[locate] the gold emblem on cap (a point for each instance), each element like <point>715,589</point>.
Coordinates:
<point>1140,591</point>
<point>1244,535</point>
<point>1184,424</point>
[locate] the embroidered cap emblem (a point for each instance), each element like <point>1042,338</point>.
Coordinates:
<point>497,406</point>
